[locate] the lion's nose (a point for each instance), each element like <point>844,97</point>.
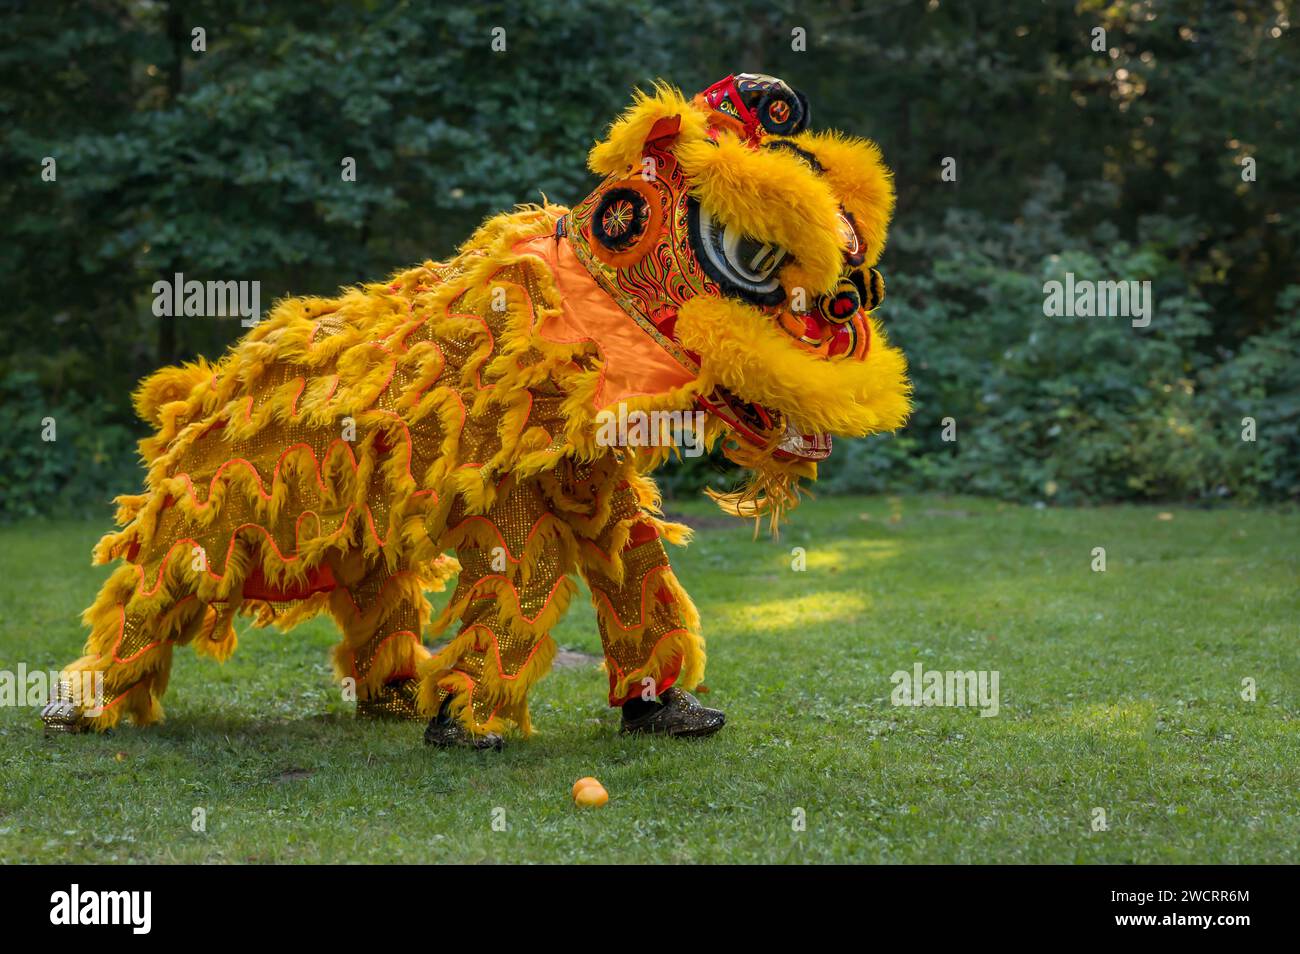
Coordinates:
<point>841,304</point>
<point>861,288</point>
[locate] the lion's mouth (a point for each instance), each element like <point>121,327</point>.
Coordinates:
<point>848,340</point>
<point>764,427</point>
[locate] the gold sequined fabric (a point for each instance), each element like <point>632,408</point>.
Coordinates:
<point>515,560</point>
<point>337,452</point>
<point>397,701</point>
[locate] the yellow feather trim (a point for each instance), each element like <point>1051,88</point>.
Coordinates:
<point>458,687</point>
<point>684,645</point>
<point>772,488</point>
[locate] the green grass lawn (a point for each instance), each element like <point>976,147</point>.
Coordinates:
<point>1119,690</point>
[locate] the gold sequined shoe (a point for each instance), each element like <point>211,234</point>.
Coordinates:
<point>394,700</point>
<point>678,714</point>
<point>63,716</point>
<point>447,732</point>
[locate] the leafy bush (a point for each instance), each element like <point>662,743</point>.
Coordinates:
<point>64,457</point>
<point>1075,409</point>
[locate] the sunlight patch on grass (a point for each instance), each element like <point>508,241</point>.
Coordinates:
<point>846,553</point>
<point>799,612</point>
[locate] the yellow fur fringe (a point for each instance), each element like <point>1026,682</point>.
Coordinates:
<point>741,350</point>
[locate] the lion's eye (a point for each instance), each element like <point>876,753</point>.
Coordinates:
<point>753,259</point>
<point>741,264</point>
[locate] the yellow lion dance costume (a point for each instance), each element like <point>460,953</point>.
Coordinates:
<point>330,459</point>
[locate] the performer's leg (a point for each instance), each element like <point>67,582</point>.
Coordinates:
<point>512,588</point>
<point>382,615</point>
<point>128,654</point>
<point>649,628</point>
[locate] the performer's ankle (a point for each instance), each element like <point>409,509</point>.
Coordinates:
<point>636,707</point>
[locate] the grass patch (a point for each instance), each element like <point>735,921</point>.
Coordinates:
<point>1119,690</point>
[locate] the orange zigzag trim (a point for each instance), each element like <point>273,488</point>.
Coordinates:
<point>655,571</point>
<point>519,610</point>
<point>537,524</point>
<point>622,673</point>
<point>496,650</point>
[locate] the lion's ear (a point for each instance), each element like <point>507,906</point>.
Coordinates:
<point>661,115</point>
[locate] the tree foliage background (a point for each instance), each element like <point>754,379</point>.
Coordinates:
<point>1118,165</point>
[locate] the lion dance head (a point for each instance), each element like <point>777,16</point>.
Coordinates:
<point>744,244</point>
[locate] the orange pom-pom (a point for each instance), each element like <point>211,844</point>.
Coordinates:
<point>591,795</point>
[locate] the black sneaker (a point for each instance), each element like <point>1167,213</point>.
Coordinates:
<point>678,714</point>
<point>447,732</point>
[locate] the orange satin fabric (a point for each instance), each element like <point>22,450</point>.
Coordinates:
<point>634,365</point>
